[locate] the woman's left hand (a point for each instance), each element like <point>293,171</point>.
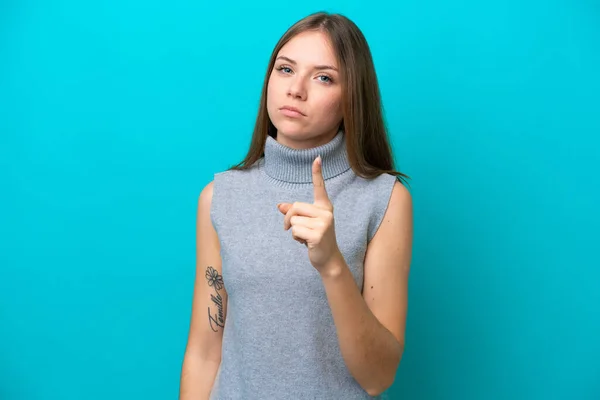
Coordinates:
<point>313,224</point>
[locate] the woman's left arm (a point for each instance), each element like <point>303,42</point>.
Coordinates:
<point>371,326</point>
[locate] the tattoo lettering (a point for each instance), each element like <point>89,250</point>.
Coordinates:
<point>218,318</point>
<point>216,281</point>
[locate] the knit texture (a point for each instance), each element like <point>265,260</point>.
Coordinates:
<point>279,339</point>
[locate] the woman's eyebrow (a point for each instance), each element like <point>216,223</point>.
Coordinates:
<point>319,67</point>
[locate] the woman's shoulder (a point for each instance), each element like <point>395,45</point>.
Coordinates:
<point>239,172</point>
<point>233,177</point>
<point>383,181</point>
<point>377,191</point>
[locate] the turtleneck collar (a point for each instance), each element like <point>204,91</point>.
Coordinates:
<point>295,166</point>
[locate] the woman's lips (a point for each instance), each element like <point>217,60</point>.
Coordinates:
<point>291,112</point>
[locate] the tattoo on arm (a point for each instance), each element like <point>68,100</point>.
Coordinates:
<point>215,280</point>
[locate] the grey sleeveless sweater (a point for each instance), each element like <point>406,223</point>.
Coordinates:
<point>279,339</point>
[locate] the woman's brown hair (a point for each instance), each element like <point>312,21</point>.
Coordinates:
<point>367,143</point>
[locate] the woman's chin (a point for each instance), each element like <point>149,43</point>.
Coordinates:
<point>293,131</point>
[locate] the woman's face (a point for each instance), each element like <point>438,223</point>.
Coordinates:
<point>306,78</point>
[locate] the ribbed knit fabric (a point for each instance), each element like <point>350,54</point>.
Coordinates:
<point>289,167</point>
<point>279,339</point>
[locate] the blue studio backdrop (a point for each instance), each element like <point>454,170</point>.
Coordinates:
<point>115,114</point>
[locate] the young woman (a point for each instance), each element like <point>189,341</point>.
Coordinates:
<point>303,249</point>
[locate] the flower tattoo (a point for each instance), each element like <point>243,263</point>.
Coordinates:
<point>214,279</point>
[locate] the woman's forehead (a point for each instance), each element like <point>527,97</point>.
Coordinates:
<point>309,48</point>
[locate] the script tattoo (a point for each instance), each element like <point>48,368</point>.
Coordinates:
<point>215,280</point>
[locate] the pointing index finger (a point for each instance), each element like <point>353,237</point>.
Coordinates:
<point>319,182</point>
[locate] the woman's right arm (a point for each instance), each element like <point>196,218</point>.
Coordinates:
<point>203,351</point>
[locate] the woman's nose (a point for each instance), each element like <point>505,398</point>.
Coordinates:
<point>297,89</point>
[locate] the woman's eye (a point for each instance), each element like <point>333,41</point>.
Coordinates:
<point>288,70</point>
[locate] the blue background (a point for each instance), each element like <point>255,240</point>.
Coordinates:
<point>115,114</point>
